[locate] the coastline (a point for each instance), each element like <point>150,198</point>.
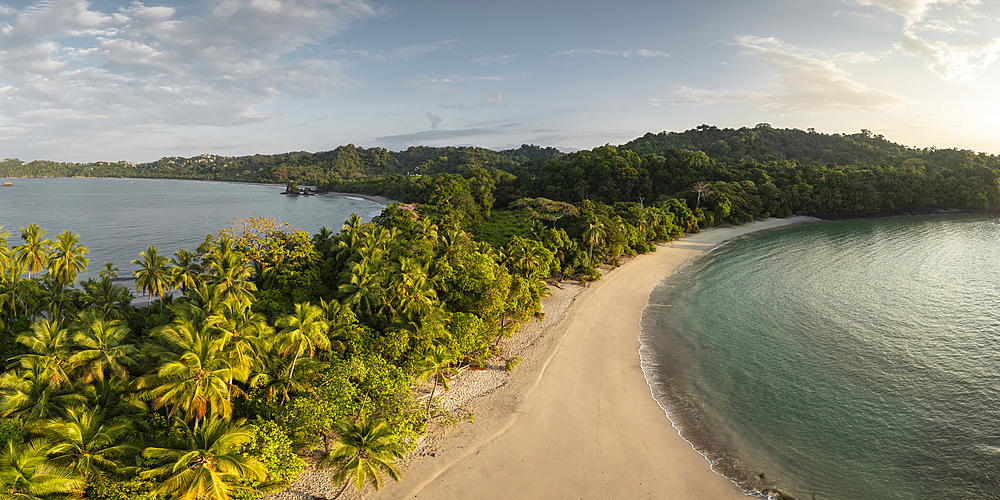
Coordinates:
<point>576,419</point>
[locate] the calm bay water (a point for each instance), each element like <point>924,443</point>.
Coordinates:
<point>118,218</point>
<point>842,360</point>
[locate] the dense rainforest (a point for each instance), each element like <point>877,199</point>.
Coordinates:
<point>266,342</point>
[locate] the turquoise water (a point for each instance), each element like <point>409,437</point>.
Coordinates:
<point>842,360</point>
<point>118,218</point>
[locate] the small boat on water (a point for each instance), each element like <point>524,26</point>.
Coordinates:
<point>8,183</point>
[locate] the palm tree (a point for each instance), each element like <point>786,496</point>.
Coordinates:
<point>27,474</point>
<point>85,442</point>
<point>302,333</point>
<point>196,376</point>
<point>435,363</point>
<point>365,450</point>
<point>210,467</point>
<point>16,294</point>
<point>152,277</point>
<point>413,295</point>
<point>105,297</point>
<point>102,348</point>
<point>243,332</point>
<point>186,271</point>
<point>68,258</point>
<point>34,253</point>
<point>593,235</point>
<point>230,270</point>
<point>30,392</point>
<point>6,257</point>
<point>49,341</point>
<point>363,290</point>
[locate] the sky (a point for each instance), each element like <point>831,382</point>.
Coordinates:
<point>108,80</point>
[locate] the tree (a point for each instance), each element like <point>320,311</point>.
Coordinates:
<point>34,253</point>
<point>102,349</point>
<point>85,442</point>
<point>210,467</point>
<point>593,235</point>
<point>49,341</point>
<point>152,277</point>
<point>27,474</point>
<point>702,189</point>
<point>364,451</point>
<point>30,392</point>
<point>186,270</point>
<point>302,333</point>
<point>230,270</point>
<point>435,363</point>
<point>68,258</point>
<point>196,376</point>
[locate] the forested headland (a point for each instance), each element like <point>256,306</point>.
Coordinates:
<point>266,341</point>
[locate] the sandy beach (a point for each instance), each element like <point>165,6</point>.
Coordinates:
<point>576,418</point>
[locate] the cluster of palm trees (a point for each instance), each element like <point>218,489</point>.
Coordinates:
<point>81,385</point>
<point>100,392</point>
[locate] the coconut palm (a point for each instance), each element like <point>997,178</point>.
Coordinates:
<point>68,258</point>
<point>231,271</point>
<point>6,254</point>
<point>31,393</point>
<point>207,296</point>
<point>210,467</point>
<point>17,295</point>
<point>86,442</point>
<point>413,294</point>
<point>196,375</point>
<point>152,278</point>
<point>27,474</point>
<point>105,298</point>
<point>593,235</point>
<point>435,363</point>
<point>364,451</point>
<point>243,332</point>
<point>273,380</point>
<point>343,325</point>
<point>302,333</point>
<point>50,341</point>
<point>186,271</point>
<point>33,255</point>
<point>363,290</point>
<point>102,350</point>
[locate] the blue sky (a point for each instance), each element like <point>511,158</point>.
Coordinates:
<point>109,80</point>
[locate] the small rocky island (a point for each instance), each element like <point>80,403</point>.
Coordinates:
<point>293,189</point>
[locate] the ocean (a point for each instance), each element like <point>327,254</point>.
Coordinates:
<point>840,360</point>
<point>117,219</point>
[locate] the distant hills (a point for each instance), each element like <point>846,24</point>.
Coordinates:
<point>343,163</point>
<point>725,147</point>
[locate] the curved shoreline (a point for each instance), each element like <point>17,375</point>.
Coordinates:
<point>577,419</point>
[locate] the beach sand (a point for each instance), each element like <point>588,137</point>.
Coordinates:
<point>576,418</point>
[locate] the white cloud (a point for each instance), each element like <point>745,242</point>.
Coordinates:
<point>947,56</point>
<point>804,81</point>
<point>911,10</point>
<point>218,62</point>
<point>492,99</point>
<point>619,53</point>
<point>491,59</point>
<point>960,61</point>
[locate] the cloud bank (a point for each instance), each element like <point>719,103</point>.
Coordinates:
<point>804,81</point>
<point>216,63</point>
